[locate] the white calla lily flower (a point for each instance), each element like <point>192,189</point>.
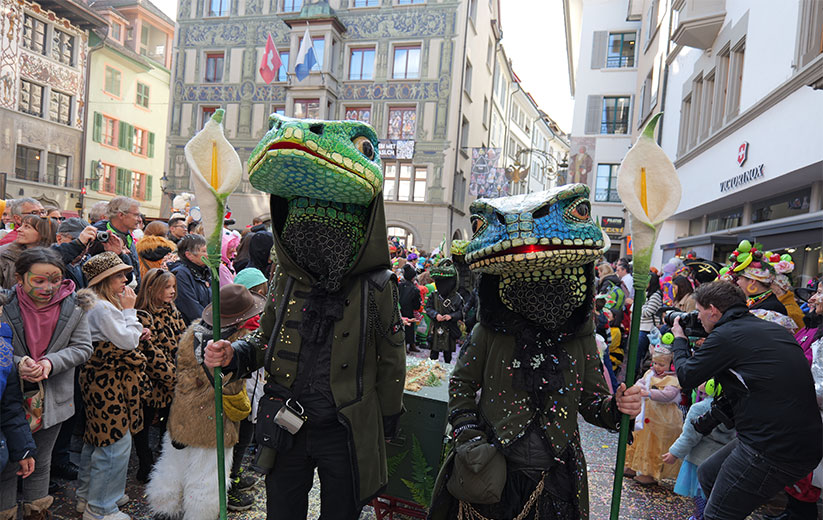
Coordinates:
<point>216,171</point>
<point>649,188</point>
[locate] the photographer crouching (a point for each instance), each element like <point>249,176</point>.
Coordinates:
<point>770,400</point>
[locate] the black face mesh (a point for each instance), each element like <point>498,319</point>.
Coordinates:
<point>548,302</point>
<point>323,246</point>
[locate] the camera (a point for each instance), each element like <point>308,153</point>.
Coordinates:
<point>102,236</point>
<point>689,321</point>
<point>721,412</point>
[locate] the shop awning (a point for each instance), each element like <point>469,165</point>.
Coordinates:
<point>779,234</point>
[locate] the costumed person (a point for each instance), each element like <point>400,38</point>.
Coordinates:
<point>782,285</point>
<point>533,358</point>
<point>49,335</point>
<point>154,250</point>
<point>183,483</point>
<point>111,382</point>
<point>445,308</point>
<point>157,313</point>
<point>336,360</point>
<point>754,274</point>
<point>409,296</point>
<point>660,422</point>
<point>465,283</point>
<point>692,448</point>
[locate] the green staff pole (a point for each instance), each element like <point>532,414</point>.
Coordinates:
<point>218,389</point>
<point>640,283</point>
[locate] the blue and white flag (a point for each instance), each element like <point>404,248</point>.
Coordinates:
<point>305,57</point>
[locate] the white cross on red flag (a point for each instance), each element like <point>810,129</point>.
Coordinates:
<point>271,61</point>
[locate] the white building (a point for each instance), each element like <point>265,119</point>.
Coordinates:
<point>602,39</point>
<point>742,120</point>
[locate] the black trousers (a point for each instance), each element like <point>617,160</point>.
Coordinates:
<point>737,480</point>
<point>447,355</point>
<point>244,438</point>
<point>326,448</point>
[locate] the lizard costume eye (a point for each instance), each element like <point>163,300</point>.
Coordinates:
<point>478,224</point>
<point>580,211</point>
<point>364,146</point>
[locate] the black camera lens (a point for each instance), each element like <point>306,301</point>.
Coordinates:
<point>102,236</point>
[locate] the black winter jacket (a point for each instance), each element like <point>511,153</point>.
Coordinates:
<point>193,293</point>
<point>764,371</point>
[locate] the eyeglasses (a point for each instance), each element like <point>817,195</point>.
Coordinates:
<point>38,212</point>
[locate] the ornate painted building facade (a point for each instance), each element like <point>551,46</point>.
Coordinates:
<point>43,55</point>
<point>128,104</point>
<point>415,71</point>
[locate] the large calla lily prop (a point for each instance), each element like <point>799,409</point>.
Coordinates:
<point>650,189</point>
<point>209,151</point>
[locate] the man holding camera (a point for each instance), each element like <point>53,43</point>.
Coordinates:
<point>770,399</point>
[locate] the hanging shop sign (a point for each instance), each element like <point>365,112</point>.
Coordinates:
<point>612,225</point>
<point>396,149</point>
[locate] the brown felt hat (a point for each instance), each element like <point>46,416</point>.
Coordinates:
<point>237,304</point>
<point>101,266</point>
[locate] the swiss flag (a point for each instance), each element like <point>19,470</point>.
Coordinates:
<point>271,61</point>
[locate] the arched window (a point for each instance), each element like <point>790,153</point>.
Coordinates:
<point>403,235</point>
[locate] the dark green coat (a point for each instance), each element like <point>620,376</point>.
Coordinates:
<point>485,363</point>
<point>368,357</point>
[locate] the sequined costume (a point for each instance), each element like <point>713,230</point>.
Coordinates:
<point>532,356</point>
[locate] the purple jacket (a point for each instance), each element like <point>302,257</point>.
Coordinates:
<point>805,337</point>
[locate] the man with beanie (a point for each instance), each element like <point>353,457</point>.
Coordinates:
<point>409,303</point>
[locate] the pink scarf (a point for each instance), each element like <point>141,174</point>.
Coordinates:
<point>39,323</point>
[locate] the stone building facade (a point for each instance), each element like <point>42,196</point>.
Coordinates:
<point>419,72</point>
<point>43,56</point>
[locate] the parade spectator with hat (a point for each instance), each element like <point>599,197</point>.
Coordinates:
<point>154,249</point>
<point>183,481</point>
<point>111,382</point>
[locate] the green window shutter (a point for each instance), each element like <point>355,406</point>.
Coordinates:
<point>130,141</point>
<point>98,127</point>
<point>95,184</point>
<point>149,180</point>
<point>129,184</point>
<point>151,144</point>
<point>121,182</point>
<point>123,134</point>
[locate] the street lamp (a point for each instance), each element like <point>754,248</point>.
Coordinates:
<point>519,172</point>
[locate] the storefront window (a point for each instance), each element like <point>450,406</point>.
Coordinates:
<point>790,204</point>
<point>725,220</point>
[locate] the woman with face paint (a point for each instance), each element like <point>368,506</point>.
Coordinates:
<point>46,355</point>
<point>33,232</point>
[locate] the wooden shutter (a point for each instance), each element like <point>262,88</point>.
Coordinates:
<point>130,138</point>
<point>122,135</point>
<point>600,42</point>
<point>149,180</point>
<point>631,112</point>
<point>151,144</point>
<point>95,184</point>
<point>123,182</point>
<point>594,110</point>
<point>98,127</point>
